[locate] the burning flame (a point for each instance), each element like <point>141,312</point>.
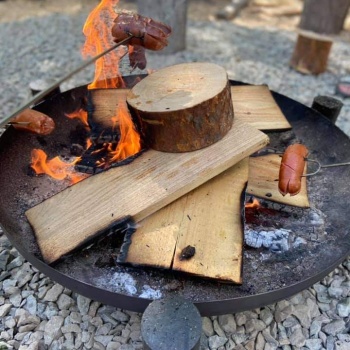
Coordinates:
<point>98,33</point>
<point>55,167</point>
<point>79,114</point>
<point>255,204</point>
<point>129,143</point>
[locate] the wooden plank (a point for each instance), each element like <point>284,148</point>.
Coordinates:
<point>208,218</point>
<point>255,105</point>
<point>263,181</point>
<point>252,104</point>
<point>104,103</point>
<point>139,189</point>
<point>212,224</point>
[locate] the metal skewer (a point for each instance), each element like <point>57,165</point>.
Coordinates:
<point>43,93</point>
<point>320,166</point>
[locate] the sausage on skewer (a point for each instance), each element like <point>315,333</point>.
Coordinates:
<point>292,168</point>
<point>34,122</point>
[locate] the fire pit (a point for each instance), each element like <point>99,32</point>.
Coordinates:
<point>268,276</point>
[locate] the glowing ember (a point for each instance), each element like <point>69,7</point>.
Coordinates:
<point>255,204</point>
<point>55,167</point>
<point>80,114</point>
<point>97,30</point>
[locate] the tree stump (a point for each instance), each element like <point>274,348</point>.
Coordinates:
<point>311,53</point>
<point>184,107</point>
<point>319,18</point>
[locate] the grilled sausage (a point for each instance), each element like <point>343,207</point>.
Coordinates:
<point>137,57</point>
<point>292,168</point>
<point>148,33</point>
<point>34,122</point>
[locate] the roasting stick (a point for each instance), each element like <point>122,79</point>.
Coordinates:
<point>320,166</point>
<point>42,94</point>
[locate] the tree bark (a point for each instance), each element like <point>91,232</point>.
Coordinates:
<point>324,16</point>
<point>172,13</point>
<point>184,107</point>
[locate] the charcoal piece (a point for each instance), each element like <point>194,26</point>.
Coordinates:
<point>76,149</point>
<point>187,253</point>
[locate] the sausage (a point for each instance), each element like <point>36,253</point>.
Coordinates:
<point>148,33</point>
<point>34,122</point>
<point>137,57</point>
<point>291,169</point>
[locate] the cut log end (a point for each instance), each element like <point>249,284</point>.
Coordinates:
<point>184,107</point>
<point>310,54</point>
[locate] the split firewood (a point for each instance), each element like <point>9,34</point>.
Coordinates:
<point>183,107</point>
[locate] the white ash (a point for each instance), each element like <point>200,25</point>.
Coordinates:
<point>119,281</point>
<point>276,240</point>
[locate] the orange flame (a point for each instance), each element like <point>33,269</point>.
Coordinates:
<point>98,33</point>
<point>130,142</point>
<point>79,114</point>
<point>55,167</point>
<point>253,205</point>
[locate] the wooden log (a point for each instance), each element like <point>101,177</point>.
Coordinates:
<point>311,53</point>
<point>90,208</point>
<point>324,16</point>
<point>172,13</point>
<point>184,107</point>
<point>208,218</point>
<point>329,106</point>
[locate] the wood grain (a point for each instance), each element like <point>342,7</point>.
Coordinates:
<point>255,105</point>
<point>189,100</point>
<point>74,216</point>
<point>263,181</point>
<point>208,218</point>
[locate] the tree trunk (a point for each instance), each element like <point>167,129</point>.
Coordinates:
<point>172,13</point>
<point>324,16</point>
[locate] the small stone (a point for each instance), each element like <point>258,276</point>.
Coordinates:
<point>5,309</point>
<point>64,302</point>
<point>31,305</point>
<point>302,312</point>
<point>71,328</point>
<point>313,344</point>
<point>83,304</point>
<point>207,326</point>
<point>135,335</point>
<point>315,328</point>
<point>17,262</point>
<point>103,339</point>
<point>254,324</point>
<point>343,307</point>
<point>93,308</point>
<point>266,316</point>
<point>282,314</point>
<point>330,342</point>
<point>260,342</point>
<point>218,330</point>
<point>297,338</point>
<point>53,293</point>
<point>4,257</point>
<point>120,316</point>
<point>335,292</point>
<point>104,329</point>
<point>241,319</point>
<point>53,329</point>
<point>334,327</point>
<point>239,338</point>
<point>113,346</point>
<point>227,323</point>
<point>16,299</point>
<point>215,341</point>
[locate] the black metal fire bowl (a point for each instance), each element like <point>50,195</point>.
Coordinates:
<point>268,276</point>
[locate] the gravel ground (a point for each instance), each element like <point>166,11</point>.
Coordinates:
<point>36,313</point>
